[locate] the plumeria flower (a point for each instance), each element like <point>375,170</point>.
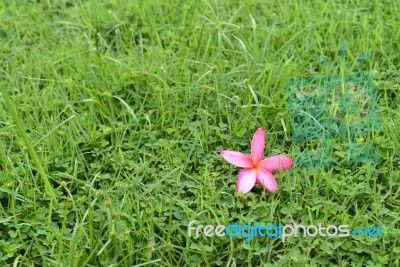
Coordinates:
<point>256,169</point>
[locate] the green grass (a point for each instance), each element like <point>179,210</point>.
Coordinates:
<point>124,108</point>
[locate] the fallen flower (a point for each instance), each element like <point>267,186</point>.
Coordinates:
<point>255,168</point>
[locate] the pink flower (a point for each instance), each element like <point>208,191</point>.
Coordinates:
<point>255,168</point>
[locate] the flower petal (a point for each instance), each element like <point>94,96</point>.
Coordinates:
<point>276,163</point>
<point>236,158</point>
<point>246,180</point>
<point>267,180</point>
<point>258,145</point>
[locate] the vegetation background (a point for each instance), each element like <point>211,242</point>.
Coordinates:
<point>122,108</point>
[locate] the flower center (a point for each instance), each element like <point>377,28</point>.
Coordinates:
<point>257,165</point>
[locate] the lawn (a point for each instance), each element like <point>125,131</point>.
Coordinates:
<point>114,113</point>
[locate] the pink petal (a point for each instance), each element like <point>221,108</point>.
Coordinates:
<point>258,145</point>
<point>236,158</point>
<point>267,180</point>
<point>246,180</point>
<point>276,163</point>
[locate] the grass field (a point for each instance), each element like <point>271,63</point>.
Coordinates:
<point>113,115</point>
